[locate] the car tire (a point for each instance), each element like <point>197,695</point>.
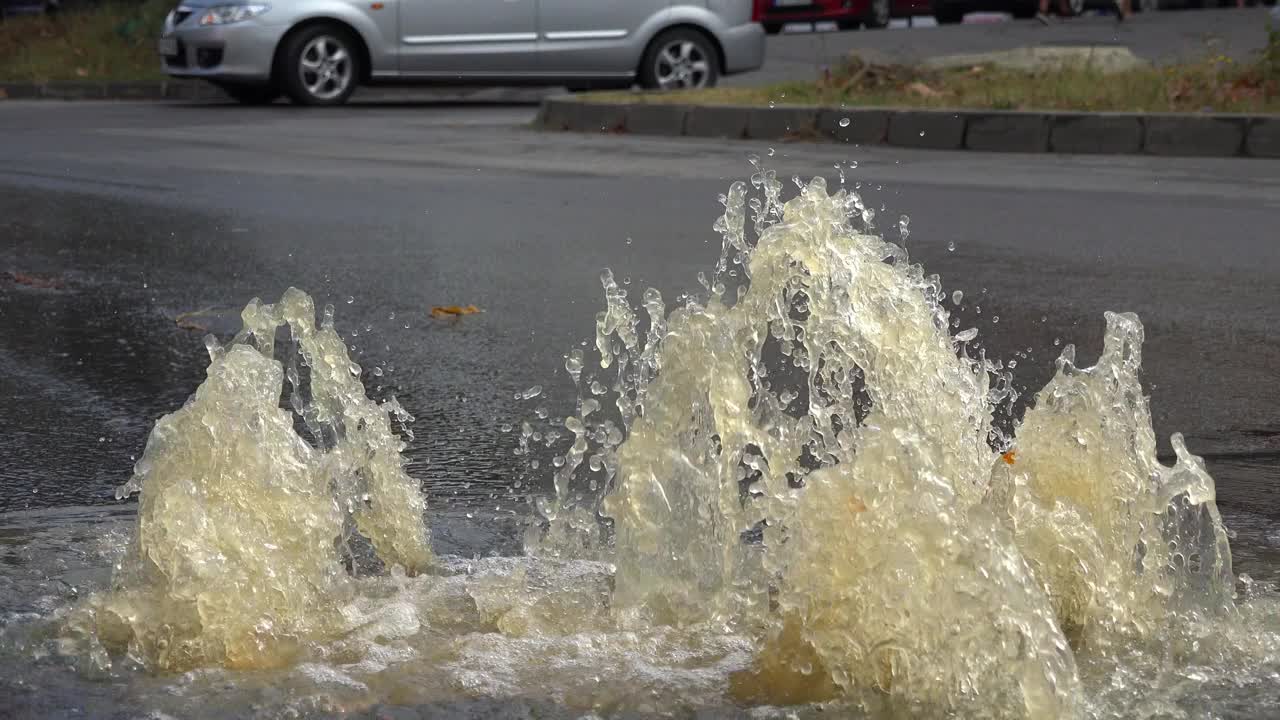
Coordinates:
<point>772,28</point>
<point>320,65</point>
<point>878,14</point>
<point>948,14</point>
<point>251,94</point>
<point>847,25</point>
<point>679,59</point>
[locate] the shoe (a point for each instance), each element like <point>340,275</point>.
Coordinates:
<point>1044,19</point>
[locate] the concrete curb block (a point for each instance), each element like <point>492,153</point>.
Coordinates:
<point>1211,136</point>
<point>930,131</point>
<point>656,119</point>
<point>1263,139</point>
<point>716,121</point>
<point>1007,132</point>
<point>779,123</point>
<point>870,127</point>
<point>1096,134</point>
<point>980,130</point>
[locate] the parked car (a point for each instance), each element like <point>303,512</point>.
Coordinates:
<point>846,14</point>
<point>318,51</point>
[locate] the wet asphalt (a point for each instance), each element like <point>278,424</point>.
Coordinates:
<point>115,219</point>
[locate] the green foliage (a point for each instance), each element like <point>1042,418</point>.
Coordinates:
<point>113,41</point>
<point>1213,84</point>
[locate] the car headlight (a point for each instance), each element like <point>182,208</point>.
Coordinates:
<point>227,14</point>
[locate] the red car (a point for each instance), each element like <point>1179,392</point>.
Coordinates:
<point>846,14</point>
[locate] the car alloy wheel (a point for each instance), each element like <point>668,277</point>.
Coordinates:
<point>682,64</point>
<point>325,67</point>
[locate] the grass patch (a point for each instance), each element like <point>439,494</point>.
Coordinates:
<point>1215,84</point>
<point>112,42</point>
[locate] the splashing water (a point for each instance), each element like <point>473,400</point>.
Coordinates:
<point>237,556</point>
<point>786,490</point>
<point>810,459</point>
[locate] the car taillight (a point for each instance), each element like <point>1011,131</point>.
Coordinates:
<point>758,9</point>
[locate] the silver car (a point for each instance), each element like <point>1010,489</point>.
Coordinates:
<point>318,51</point>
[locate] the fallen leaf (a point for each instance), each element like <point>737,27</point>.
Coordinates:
<point>1009,456</point>
<point>36,281</point>
<point>444,311</point>
<point>186,322</point>
<point>923,90</point>
<point>192,325</point>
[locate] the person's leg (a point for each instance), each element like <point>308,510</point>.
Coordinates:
<point>1043,13</point>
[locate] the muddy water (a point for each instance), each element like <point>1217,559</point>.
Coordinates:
<point>794,494</point>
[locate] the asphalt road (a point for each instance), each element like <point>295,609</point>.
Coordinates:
<point>142,212</point>
<point>1160,37</point>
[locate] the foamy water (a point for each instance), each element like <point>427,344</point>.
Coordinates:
<point>786,493</point>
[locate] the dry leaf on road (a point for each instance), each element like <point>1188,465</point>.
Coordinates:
<point>453,311</point>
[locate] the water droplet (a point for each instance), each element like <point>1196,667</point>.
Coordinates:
<point>951,246</point>
<point>1013,364</point>
<point>391,316</point>
<point>921,133</point>
<point>350,299</point>
<point>531,393</point>
<point>967,335</point>
<point>844,122</point>
<point>957,296</point>
<point>505,427</point>
<point>771,151</point>
<point>1057,342</point>
<point>995,318</point>
<point>629,241</point>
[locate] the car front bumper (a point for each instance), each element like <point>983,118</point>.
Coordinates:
<point>241,51</point>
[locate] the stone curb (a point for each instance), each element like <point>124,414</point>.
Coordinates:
<point>161,90</point>
<point>197,90</point>
<point>1220,135</point>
